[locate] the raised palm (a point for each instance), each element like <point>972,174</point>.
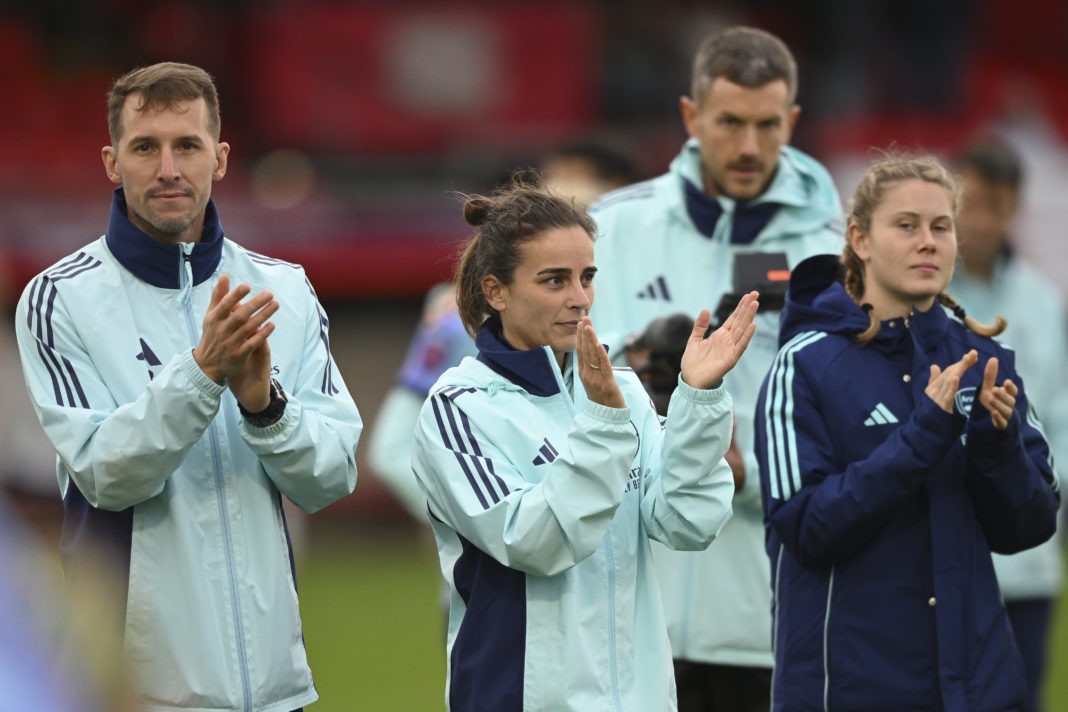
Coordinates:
<point>707,359</point>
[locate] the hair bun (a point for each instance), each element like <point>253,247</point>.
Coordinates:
<point>476,209</point>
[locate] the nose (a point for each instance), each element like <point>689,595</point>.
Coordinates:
<point>750,146</point>
<point>579,297</point>
<point>168,166</point>
<point>927,238</point>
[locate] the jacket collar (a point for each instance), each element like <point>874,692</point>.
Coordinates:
<point>789,187</point>
<point>929,328</point>
<point>534,370</point>
<point>157,263</point>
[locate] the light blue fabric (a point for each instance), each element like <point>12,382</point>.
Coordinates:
<point>565,493</point>
<point>717,602</point>
<point>212,621</point>
<point>1038,333</point>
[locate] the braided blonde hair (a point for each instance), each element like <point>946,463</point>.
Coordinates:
<point>892,169</point>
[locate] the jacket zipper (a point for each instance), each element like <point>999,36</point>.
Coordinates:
<point>609,552</point>
<point>185,296</point>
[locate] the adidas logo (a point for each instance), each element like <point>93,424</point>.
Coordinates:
<point>657,289</point>
<point>880,415</point>
<point>548,453</point>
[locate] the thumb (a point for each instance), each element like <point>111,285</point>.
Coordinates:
<point>990,373</point>
<point>700,324</point>
<point>935,372</point>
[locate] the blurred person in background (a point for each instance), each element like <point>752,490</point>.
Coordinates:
<point>178,426</point>
<point>993,281</point>
<point>897,450</point>
<point>586,168</point>
<point>547,472</point>
<point>440,342</point>
<point>59,650</point>
<point>668,245</point>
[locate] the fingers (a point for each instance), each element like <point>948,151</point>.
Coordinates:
<point>220,290</point>
<point>743,314</point>
<point>595,369</point>
<point>1010,388</point>
<point>990,374</point>
<point>700,324</point>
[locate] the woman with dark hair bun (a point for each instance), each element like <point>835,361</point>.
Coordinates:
<point>547,471</point>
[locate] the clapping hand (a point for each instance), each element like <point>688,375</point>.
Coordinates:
<point>707,359</point>
<point>594,368</point>
<point>999,400</point>
<point>942,385</point>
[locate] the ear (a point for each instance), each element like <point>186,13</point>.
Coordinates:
<point>858,241</point>
<point>111,164</point>
<point>495,292</point>
<point>791,121</point>
<point>222,153</point>
<point>688,111</point>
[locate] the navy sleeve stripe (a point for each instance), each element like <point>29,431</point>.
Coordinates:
<point>476,466</point>
<point>472,450</point>
<point>327,386</point>
<point>74,266</point>
<point>65,384</point>
<point>1034,422</point>
<point>480,458</point>
<point>459,456</point>
<point>269,261</point>
<point>784,468</point>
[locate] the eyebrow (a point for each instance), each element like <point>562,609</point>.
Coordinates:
<point>155,139</point>
<point>911,214</point>
<point>562,270</point>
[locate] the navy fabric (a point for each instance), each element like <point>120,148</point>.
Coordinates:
<point>526,368</point>
<point>881,510</point>
<point>92,536</point>
<point>1031,625</point>
<point>486,670</point>
<point>157,263</point>
<point>749,218</point>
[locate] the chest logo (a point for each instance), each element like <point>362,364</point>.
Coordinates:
<point>150,359</point>
<point>880,415</point>
<point>547,453</point>
<point>964,399</point>
<point>657,290</point>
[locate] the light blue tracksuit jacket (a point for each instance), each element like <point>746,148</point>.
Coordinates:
<point>543,504</point>
<point>665,247</point>
<point>158,469</point>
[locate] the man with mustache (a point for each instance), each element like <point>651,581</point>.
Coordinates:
<point>668,245</point>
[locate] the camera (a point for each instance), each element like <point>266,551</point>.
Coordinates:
<point>765,272</point>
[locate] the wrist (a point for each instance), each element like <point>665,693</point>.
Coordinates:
<point>213,374</point>
<point>272,413</point>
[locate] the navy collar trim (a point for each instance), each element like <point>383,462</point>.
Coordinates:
<point>748,220</point>
<point>157,263</point>
<point>529,369</point>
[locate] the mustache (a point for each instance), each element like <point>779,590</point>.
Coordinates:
<point>167,191</point>
<point>746,164</point>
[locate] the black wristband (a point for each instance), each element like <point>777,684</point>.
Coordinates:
<point>272,413</point>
